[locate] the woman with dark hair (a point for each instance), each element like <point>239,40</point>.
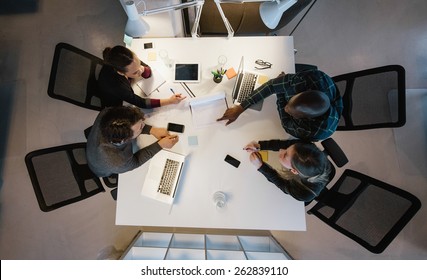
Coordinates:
<point>306,168</point>
<point>123,68</point>
<point>110,142</point>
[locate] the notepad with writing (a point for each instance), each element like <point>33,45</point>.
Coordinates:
<point>148,86</point>
<point>207,109</point>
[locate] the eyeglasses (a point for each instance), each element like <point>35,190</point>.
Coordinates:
<point>263,64</point>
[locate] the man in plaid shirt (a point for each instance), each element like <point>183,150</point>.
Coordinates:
<point>308,103</point>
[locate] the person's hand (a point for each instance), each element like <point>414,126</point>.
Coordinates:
<point>168,141</point>
<point>252,147</point>
<point>231,114</point>
<point>174,99</point>
<point>159,133</point>
<point>256,159</point>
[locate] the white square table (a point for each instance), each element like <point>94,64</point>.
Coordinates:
<point>252,201</point>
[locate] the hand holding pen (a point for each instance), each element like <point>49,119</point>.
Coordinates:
<point>256,159</point>
<point>168,141</point>
<point>252,147</point>
<point>176,97</point>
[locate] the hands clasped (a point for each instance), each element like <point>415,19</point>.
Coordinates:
<point>168,141</point>
<point>165,139</point>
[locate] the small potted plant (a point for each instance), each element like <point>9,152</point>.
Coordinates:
<point>217,75</point>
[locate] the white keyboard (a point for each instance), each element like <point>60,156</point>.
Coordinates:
<point>168,177</point>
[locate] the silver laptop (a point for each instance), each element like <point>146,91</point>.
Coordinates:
<point>163,176</point>
<point>245,84</point>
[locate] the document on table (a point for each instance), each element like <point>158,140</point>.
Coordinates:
<point>148,86</point>
<point>207,109</point>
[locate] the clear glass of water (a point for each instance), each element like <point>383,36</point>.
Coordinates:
<point>222,60</point>
<point>220,200</point>
<point>165,58</point>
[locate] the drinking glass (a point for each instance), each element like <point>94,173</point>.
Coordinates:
<point>220,200</point>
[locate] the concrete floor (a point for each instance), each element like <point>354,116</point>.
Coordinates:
<point>338,36</point>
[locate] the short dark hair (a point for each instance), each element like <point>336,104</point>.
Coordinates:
<point>310,104</point>
<point>117,122</point>
<point>118,57</point>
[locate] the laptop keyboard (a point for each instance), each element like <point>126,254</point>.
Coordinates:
<point>247,86</point>
<point>168,177</point>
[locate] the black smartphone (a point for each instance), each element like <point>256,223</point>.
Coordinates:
<point>231,160</point>
<point>176,127</point>
<point>148,45</point>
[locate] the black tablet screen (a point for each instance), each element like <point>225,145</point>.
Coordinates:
<point>186,72</point>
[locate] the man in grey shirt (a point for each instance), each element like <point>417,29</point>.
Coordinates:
<point>109,145</point>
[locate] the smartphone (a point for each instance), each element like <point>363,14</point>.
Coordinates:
<point>148,45</point>
<point>231,160</point>
<point>176,127</point>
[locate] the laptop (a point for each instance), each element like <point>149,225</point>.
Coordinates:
<point>245,83</point>
<point>163,176</point>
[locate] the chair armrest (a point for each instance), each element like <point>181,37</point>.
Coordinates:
<point>335,152</point>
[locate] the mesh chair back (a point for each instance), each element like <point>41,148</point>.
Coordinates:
<point>372,98</point>
<point>367,210</point>
<point>60,176</point>
<point>73,77</point>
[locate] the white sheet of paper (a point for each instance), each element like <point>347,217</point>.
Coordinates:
<point>207,109</point>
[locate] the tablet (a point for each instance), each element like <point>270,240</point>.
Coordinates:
<point>187,72</point>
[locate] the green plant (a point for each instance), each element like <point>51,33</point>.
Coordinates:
<point>218,73</point>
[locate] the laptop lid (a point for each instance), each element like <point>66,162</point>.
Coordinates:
<point>236,89</point>
<point>238,79</point>
<point>154,175</point>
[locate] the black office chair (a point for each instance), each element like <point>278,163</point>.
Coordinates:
<point>112,182</point>
<point>113,193</point>
<point>368,211</point>
<point>73,77</point>
<point>60,176</point>
<point>336,154</point>
<point>338,157</point>
<point>373,98</point>
<point>334,151</point>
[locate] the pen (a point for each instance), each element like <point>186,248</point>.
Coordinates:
<point>187,89</point>
<point>172,90</point>
<point>256,149</point>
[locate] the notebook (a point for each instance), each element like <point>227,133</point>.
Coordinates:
<point>245,83</point>
<point>163,176</point>
<point>148,86</point>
